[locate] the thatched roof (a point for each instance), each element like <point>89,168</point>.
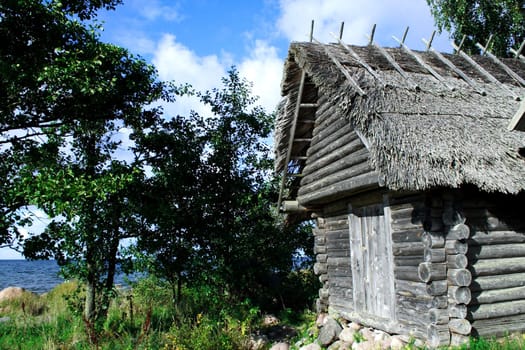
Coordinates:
<point>418,138</point>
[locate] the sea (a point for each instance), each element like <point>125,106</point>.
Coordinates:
<point>38,276</point>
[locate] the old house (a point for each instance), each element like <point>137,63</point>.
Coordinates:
<point>417,186</point>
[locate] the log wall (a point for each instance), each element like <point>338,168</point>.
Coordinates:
<point>496,254</point>
<point>337,159</point>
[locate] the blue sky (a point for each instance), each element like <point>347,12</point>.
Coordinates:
<point>197,41</point>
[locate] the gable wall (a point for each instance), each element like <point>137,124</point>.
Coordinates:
<point>337,159</point>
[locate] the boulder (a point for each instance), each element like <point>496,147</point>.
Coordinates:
<point>340,345</point>
<point>396,343</point>
<point>280,346</point>
<point>348,335</point>
<point>312,346</point>
<point>11,293</point>
<point>329,332</point>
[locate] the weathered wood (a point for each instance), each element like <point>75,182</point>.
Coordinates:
<point>457,310</point>
<point>459,232</point>
<point>486,311</point>
<point>458,339</point>
<point>459,277</point>
<point>331,149</point>
<point>459,295</point>
<point>410,288</point>
<point>434,255</point>
<point>406,273</point>
<point>413,223</point>
<point>501,326</point>
<point>456,247</point>
<point>497,266</point>
<point>436,288</point>
<point>326,166</point>
<point>414,260</point>
<point>432,271</point>
<point>459,326</point>
<point>438,335</point>
<point>320,268</point>
<point>408,249</point>
<point>497,251</point>
<point>497,282</point>
<point>440,302</point>
<point>457,261</point>
<point>408,235</point>
<point>433,239</point>
<point>367,180</point>
<point>438,316</point>
<point>479,237</point>
<point>336,128</point>
<point>498,295</point>
<point>335,177</point>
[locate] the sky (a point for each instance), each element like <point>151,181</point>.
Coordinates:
<point>198,41</point>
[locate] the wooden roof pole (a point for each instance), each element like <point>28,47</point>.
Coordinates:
<point>506,68</point>
<point>453,67</point>
<point>292,129</point>
<point>342,69</point>
<point>482,71</point>
<point>422,63</point>
<point>359,60</point>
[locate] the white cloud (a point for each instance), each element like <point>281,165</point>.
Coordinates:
<point>264,69</point>
<point>176,62</point>
<point>391,18</point>
<point>153,9</point>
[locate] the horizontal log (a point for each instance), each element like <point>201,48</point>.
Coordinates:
<point>320,268</point>
<point>343,132</point>
<point>410,288</point>
<point>440,302</point>
<point>459,295</point>
<point>436,288</point>
<point>498,295</point>
<point>482,237</point>
<point>407,235</point>
<point>343,261</point>
<point>433,239</point>
<point>413,260</point>
<point>438,335</point>
<point>457,310</point>
<point>498,281</point>
<point>459,340</point>
<point>497,251</point>
<point>321,257</point>
<point>459,232</point>
<point>489,311</point>
<point>406,273</point>
<point>457,261</point>
<point>456,247</point>
<point>408,224</point>
<point>340,148</point>
<point>497,266</point>
<point>335,177</point>
<point>408,249</point>
<point>459,326</point>
<point>326,166</point>
<point>438,316</point>
<point>498,327</point>
<point>360,182</point>
<point>434,255</point>
<point>459,277</point>
<point>319,249</point>
<point>432,271</point>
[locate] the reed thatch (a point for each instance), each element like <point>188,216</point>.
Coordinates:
<point>438,134</point>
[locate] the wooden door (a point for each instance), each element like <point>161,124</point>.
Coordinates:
<point>372,261</point>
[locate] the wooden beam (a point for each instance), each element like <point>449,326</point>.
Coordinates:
<point>342,69</point>
<point>422,63</point>
<point>482,70</point>
<point>518,121</point>
<point>506,68</point>
<point>454,68</point>
<point>360,61</point>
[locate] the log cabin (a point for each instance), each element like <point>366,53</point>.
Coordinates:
<point>408,166</point>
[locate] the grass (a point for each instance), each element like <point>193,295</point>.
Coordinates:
<point>146,319</point>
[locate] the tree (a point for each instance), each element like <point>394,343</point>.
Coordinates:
<point>214,221</point>
<point>64,97</point>
<point>504,19</point>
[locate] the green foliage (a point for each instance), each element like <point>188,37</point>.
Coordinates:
<point>504,19</point>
